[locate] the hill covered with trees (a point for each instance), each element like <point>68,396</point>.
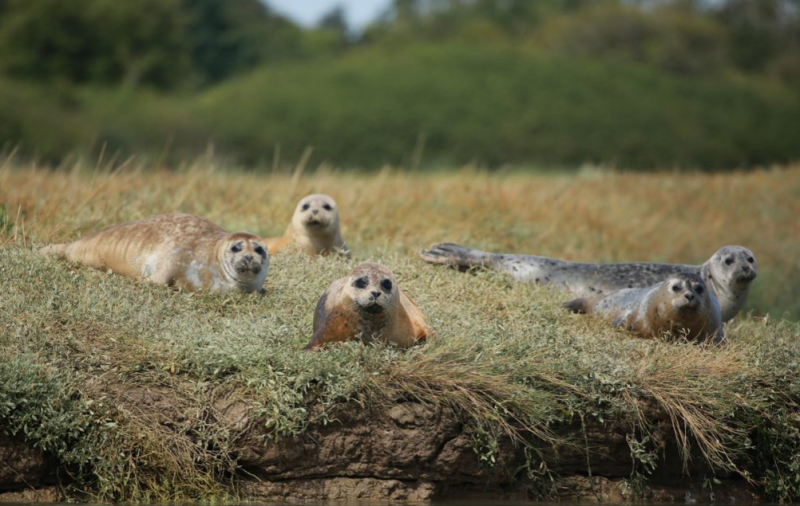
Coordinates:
<point>431,83</point>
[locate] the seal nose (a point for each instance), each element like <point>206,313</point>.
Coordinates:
<point>249,258</point>
<point>315,211</point>
<point>375,294</point>
<point>689,296</point>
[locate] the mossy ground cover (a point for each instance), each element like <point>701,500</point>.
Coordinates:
<point>77,345</point>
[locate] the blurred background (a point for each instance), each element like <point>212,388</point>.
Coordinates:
<point>422,84</point>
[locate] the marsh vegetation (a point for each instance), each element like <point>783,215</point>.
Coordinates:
<point>79,348</point>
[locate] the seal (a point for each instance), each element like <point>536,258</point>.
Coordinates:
<point>729,272</point>
<point>174,249</point>
<point>314,228</point>
<point>369,306</point>
<point>681,305</point>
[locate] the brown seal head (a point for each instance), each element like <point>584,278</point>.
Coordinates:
<point>368,305</point>
<point>314,229</point>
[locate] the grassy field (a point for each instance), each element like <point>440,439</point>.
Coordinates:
<point>74,342</point>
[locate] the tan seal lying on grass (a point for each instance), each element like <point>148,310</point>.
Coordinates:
<point>368,306</point>
<point>314,228</point>
<point>680,305</point>
<point>729,272</point>
<point>176,250</point>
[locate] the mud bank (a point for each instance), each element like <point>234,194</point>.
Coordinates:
<point>417,452</point>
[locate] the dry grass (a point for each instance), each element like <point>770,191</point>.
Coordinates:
<point>506,357</point>
<point>589,216</point>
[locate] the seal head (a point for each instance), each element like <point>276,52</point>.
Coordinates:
<point>730,273</point>
<point>733,266</point>
<point>688,292</point>
<point>317,214</point>
<point>372,288</point>
<point>245,258</point>
<point>314,228</point>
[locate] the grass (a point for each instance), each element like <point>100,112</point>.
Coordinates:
<point>136,383</point>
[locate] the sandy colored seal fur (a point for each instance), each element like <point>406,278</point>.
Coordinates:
<point>176,250</point>
<point>729,272</point>
<point>681,305</point>
<point>314,229</point>
<point>370,306</point>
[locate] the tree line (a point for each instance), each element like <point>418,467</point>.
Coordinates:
<point>169,44</point>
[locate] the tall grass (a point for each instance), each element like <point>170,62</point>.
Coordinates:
<point>142,384</point>
<point>594,215</point>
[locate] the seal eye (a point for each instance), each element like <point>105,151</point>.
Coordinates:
<point>327,207</point>
<point>676,288</point>
<point>751,259</point>
<point>361,283</point>
<point>306,206</point>
<point>699,290</point>
<point>261,251</point>
<point>729,261</point>
<point>386,285</point>
<point>236,248</point>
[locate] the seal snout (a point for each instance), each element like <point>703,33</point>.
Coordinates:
<point>316,221</point>
<point>248,263</point>
<point>746,274</point>
<point>373,308</point>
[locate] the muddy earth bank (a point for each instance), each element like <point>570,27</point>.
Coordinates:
<point>416,452</point>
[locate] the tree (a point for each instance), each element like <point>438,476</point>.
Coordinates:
<point>230,36</point>
<point>99,41</point>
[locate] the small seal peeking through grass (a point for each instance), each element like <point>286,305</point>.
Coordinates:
<point>174,249</point>
<point>369,306</point>
<point>314,228</point>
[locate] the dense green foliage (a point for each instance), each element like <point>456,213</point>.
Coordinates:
<point>161,43</point>
<point>433,82</point>
<point>428,105</point>
<point>449,104</point>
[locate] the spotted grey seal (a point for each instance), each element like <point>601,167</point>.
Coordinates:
<point>680,305</point>
<point>729,272</point>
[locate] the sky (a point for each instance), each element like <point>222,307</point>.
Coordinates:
<point>359,13</point>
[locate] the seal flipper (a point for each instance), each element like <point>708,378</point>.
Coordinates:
<point>329,327</point>
<point>58,250</point>
<point>454,255</point>
<point>319,324</point>
<point>580,306</point>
